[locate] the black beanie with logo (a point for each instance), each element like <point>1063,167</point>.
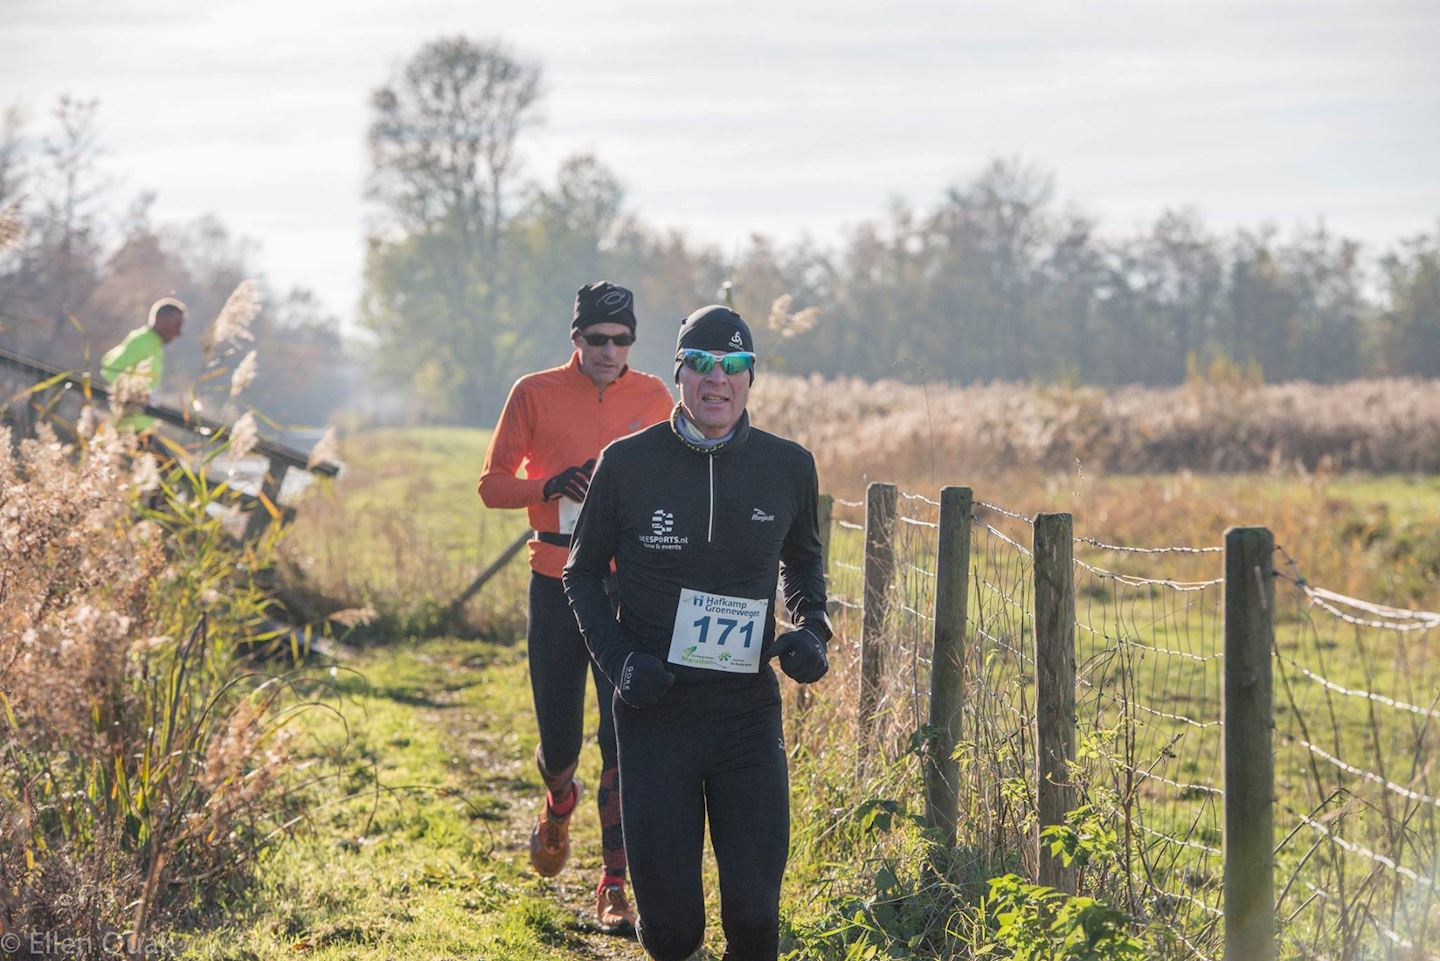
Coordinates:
<point>715,327</point>
<point>603,303</point>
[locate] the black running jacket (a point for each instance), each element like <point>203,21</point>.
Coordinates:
<point>729,521</point>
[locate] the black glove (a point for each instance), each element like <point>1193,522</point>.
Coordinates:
<point>572,482</point>
<point>802,655</point>
<point>643,680</point>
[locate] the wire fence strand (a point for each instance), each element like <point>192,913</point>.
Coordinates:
<point>1357,715</point>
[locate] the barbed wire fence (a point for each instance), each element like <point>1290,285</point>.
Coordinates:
<point>1349,868</point>
<point>1358,809</point>
<point>1149,680</point>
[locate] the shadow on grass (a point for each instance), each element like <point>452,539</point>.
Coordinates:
<point>393,616</point>
<point>418,694</point>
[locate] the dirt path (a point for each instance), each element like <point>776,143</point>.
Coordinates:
<point>479,716</point>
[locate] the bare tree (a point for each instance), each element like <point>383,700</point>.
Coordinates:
<point>443,133</point>
<point>51,272</point>
<point>442,143</point>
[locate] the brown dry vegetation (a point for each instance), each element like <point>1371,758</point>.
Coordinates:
<point>1153,467</point>
<point>132,763</point>
<point>893,430</point>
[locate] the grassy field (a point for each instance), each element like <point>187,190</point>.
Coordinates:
<point>431,861</point>
<point>403,532</point>
<point>413,843</point>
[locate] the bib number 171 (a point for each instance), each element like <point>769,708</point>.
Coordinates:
<point>718,633</point>
<point>725,625</point>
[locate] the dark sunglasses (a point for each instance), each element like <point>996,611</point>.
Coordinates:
<point>600,340</point>
<point>702,361</point>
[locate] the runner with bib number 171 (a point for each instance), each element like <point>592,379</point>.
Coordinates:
<point>703,516</point>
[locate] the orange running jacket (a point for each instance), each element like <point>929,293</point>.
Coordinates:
<point>554,419</point>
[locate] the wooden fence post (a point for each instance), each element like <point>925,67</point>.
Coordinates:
<point>259,518</point>
<point>1054,684</point>
<point>879,573</point>
<point>22,422</point>
<point>1249,838</point>
<point>947,660</point>
<point>481,579</point>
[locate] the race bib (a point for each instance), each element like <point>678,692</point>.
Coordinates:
<point>718,633</point>
<point>569,514</point>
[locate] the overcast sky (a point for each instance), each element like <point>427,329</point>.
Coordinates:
<point>778,117</point>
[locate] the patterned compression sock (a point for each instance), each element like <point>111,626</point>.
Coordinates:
<point>559,785</point>
<point>562,808</point>
<point>612,837</point>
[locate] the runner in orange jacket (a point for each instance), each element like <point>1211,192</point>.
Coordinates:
<point>554,424</point>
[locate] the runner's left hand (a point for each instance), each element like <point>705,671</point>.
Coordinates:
<point>572,482</point>
<point>802,655</point>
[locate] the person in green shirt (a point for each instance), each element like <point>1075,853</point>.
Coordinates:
<point>142,355</point>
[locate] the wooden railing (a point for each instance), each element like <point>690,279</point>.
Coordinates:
<point>282,458</point>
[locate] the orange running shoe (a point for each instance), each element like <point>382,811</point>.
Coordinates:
<point>550,840</point>
<point>612,908</point>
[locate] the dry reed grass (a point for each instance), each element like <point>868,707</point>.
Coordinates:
<point>131,763</point>
<point>891,429</point>
<point>244,374</point>
<point>232,324</point>
<point>68,612</point>
<point>1147,466</point>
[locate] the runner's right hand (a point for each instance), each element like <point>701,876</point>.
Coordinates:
<point>572,482</point>
<point>643,680</point>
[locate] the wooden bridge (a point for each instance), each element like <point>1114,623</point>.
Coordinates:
<point>33,391</point>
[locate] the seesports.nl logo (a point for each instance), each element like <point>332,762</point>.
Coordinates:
<point>662,522</point>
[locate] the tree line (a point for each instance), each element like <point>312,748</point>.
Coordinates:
<point>471,270</point>
<point>88,266</point>
<point>471,266</point>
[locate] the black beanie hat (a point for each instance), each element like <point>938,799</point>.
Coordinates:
<point>714,328</point>
<point>603,303</point>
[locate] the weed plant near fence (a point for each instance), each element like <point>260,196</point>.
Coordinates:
<point>1133,705</point>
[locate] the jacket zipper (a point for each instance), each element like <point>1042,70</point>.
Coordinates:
<point>710,533</point>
